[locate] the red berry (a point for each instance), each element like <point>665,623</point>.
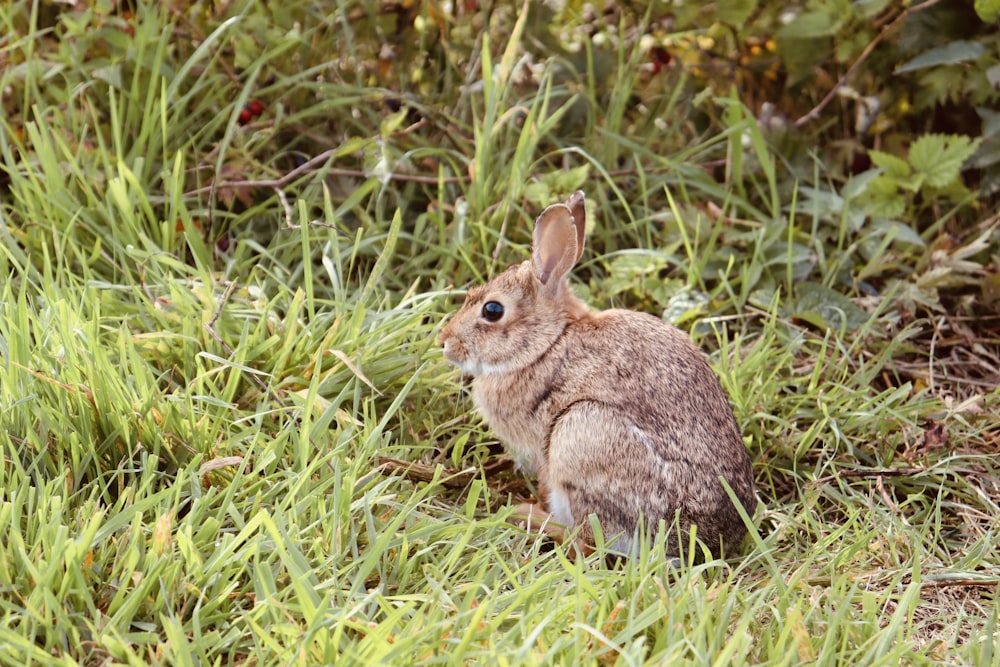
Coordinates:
<point>660,57</point>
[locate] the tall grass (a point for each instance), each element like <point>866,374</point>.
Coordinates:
<point>204,362</point>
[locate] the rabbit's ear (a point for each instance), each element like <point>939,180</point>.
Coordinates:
<point>554,241</point>
<point>579,210</point>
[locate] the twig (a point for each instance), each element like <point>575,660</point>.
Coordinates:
<point>284,205</point>
<point>814,113</point>
<point>867,474</point>
<point>930,355</point>
<point>219,464</point>
<point>312,165</point>
<point>449,478</point>
<point>889,472</point>
<point>77,388</point>
<point>886,498</point>
<point>210,328</point>
<point>218,313</point>
<point>943,583</point>
<point>305,167</point>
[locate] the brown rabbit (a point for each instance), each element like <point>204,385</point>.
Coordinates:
<point>616,412</point>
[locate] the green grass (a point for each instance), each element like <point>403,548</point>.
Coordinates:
<point>197,383</point>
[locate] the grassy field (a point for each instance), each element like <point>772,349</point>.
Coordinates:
<point>229,235</point>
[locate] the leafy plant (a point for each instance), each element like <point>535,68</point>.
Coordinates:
<point>932,169</point>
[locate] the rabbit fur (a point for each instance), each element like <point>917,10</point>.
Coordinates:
<point>616,412</point>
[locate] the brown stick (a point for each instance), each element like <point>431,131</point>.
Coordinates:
<point>313,164</point>
<point>210,328</point>
<point>943,583</point>
<point>814,112</point>
<point>867,474</point>
<point>449,478</point>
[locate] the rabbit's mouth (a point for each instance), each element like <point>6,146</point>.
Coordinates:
<point>470,367</point>
<point>456,354</point>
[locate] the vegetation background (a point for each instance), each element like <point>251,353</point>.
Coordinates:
<point>229,232</point>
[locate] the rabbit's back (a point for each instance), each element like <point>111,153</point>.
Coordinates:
<point>622,417</point>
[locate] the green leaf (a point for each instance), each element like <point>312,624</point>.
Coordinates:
<point>993,75</point>
<point>735,12</point>
<point>890,165</point>
<point>901,233</point>
<point>628,269</point>
<point>635,263</point>
<point>866,9</point>
<point>987,156</point>
<point>883,199</point>
<point>393,122</point>
<point>110,74</point>
<point>826,308</point>
<point>857,185</point>
<point>988,10</point>
<point>991,121</point>
<point>558,183</point>
<point>570,180</point>
<point>939,157</point>
<point>949,54</point>
<point>812,24</point>
<point>538,192</point>
<point>898,169</point>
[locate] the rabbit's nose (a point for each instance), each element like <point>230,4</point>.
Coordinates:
<point>453,350</point>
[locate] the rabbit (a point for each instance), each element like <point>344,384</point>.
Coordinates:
<point>616,412</point>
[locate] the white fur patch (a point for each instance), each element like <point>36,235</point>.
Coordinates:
<point>476,367</point>
<point>484,368</point>
<point>559,506</point>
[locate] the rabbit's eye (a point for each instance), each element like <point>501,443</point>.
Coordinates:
<point>492,311</point>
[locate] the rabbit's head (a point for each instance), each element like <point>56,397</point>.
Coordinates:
<point>514,318</point>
